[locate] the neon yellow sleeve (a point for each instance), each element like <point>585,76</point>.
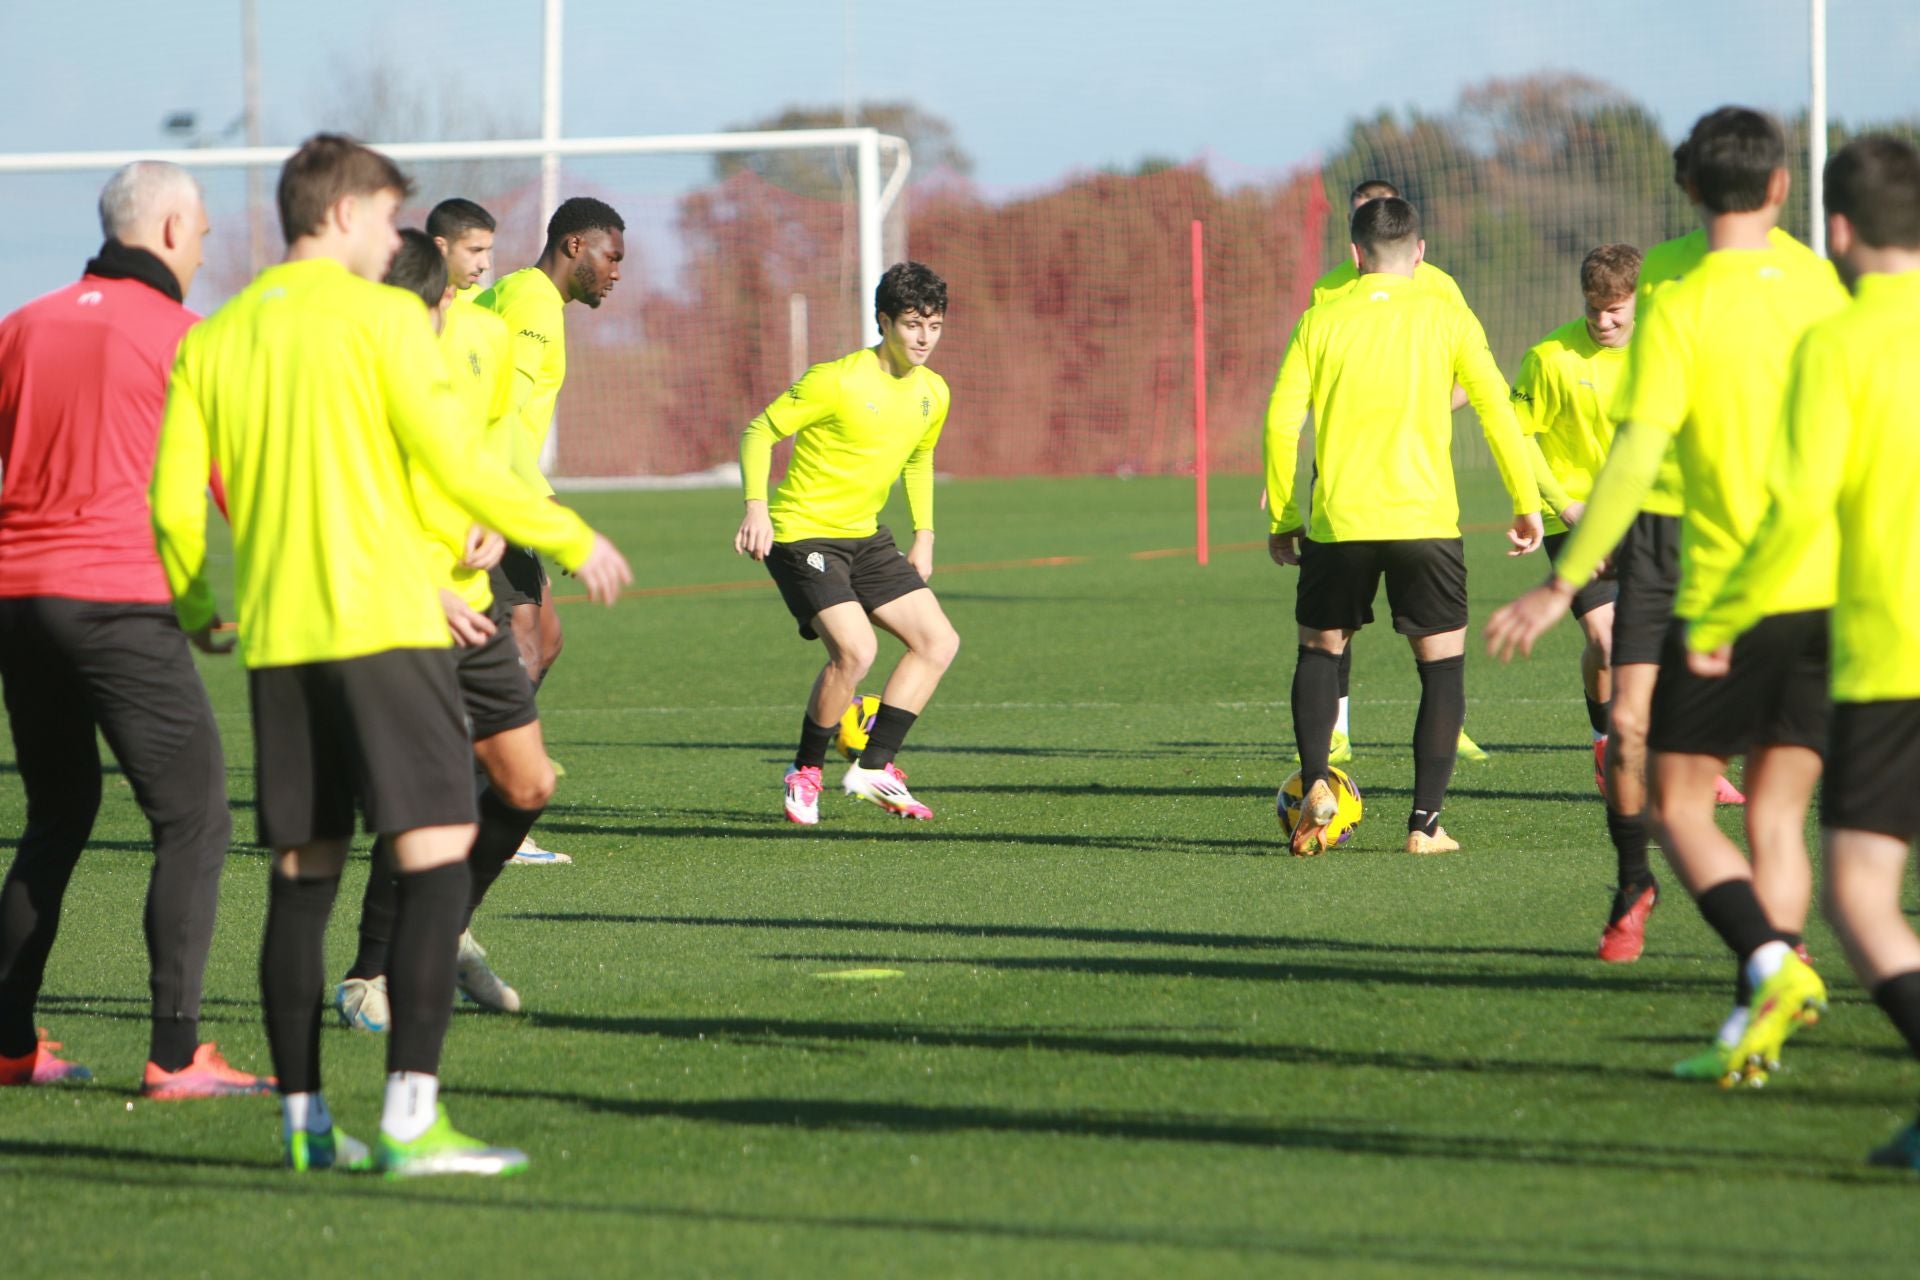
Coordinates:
<point>810,400</point>
<point>178,496</point>
<point>1805,472</point>
<point>1632,466</point>
<point>1286,411</point>
<point>917,477</point>
<point>1474,369</point>
<point>425,414</point>
<point>1551,491</point>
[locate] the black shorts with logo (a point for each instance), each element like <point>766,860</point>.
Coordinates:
<point>518,577</point>
<point>493,685</point>
<point>1426,584</point>
<point>1775,695</point>
<point>1600,591</point>
<point>816,573</point>
<point>1646,570</point>
<point>1873,762</point>
<point>386,729</point>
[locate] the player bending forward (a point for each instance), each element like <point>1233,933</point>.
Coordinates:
<point>858,422</point>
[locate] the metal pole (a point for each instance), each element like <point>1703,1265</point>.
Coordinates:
<point>250,81</point>
<point>1817,130</point>
<point>870,264</point>
<point>550,110</point>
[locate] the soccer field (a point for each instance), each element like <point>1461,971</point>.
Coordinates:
<point>1128,1035</point>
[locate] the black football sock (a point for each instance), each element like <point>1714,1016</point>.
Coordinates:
<point>1346,669</point>
<point>1436,733</point>
<point>1597,717</point>
<point>1631,841</point>
<point>1316,701</point>
<point>814,740</point>
<point>1899,998</point>
<point>890,725</point>
<point>502,828</point>
<point>171,1043</point>
<point>376,913</point>
<point>426,939</point>
<point>1734,913</point>
<point>293,976</point>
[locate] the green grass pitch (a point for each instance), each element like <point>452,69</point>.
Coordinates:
<point>1130,1036</point>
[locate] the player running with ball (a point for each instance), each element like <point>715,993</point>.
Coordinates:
<point>858,423</point>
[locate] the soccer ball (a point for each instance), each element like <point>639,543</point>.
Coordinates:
<point>856,724</point>
<point>1346,818</point>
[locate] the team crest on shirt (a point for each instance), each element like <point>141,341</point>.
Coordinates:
<point>473,362</point>
<point>816,562</point>
<point>793,392</point>
<point>926,407</point>
<point>1522,397</point>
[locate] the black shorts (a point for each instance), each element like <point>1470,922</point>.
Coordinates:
<point>493,685</point>
<point>1873,765</point>
<point>816,573</point>
<point>518,577</point>
<point>1646,569</point>
<point>386,729</point>
<point>1426,584</point>
<point>1601,591</point>
<point>1775,695</point>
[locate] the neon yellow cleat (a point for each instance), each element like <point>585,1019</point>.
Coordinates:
<point>1468,749</point>
<point>444,1149</point>
<point>1792,998</point>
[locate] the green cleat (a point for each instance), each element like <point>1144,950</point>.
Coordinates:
<point>444,1149</point>
<point>1901,1152</point>
<point>1468,749</point>
<point>1339,749</point>
<point>1723,1064</point>
<point>330,1150</point>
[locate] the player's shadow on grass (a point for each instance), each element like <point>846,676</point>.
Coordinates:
<point>783,751</point>
<point>1061,933</point>
<point>835,1114</point>
<point>129,1008</point>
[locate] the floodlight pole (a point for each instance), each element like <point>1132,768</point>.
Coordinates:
<point>1817,128</point>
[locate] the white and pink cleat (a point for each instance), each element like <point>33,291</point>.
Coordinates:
<point>886,787</point>
<point>803,794</point>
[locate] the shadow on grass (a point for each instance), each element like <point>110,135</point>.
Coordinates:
<point>138,1171</point>
<point>1063,933</point>
<point>774,826</point>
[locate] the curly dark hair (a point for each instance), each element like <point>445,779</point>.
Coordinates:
<point>910,287</point>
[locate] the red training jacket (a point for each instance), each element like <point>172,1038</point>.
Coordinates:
<point>83,384</point>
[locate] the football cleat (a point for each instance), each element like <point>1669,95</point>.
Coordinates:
<point>1318,807</point>
<point>362,1003</point>
<point>42,1066</point>
<point>334,1149</point>
<point>1468,749</point>
<point>1600,765</point>
<point>530,854</point>
<point>559,770</point>
<point>443,1149</point>
<point>207,1076</point>
<point>1339,749</point>
<point>1625,936</point>
<point>1902,1151</point>
<point>1725,1065</point>
<point>478,982</point>
<point>1725,792</point>
<point>1792,998</point>
<point>1438,842</point>
<point>886,787</point>
<point>804,785</point>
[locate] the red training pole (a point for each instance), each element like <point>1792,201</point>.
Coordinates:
<point>1199,398</point>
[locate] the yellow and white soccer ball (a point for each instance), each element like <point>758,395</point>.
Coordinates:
<point>1346,819</point>
<point>856,724</point>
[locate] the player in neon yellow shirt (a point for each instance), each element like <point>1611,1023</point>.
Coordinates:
<point>494,689</point>
<point>586,243</point>
<point>1377,366</point>
<point>1707,376</point>
<point>313,390</point>
<point>1333,284</point>
<point>463,231</point>
<point>1850,455</point>
<point>858,423</point>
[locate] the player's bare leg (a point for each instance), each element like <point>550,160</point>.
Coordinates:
<point>917,621</point>
<point>1865,881</point>
<point>525,621</point>
<point>1596,681</point>
<point>848,637</point>
<point>1629,825</point>
<point>1780,782</point>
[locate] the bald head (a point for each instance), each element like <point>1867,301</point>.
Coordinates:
<point>156,206</point>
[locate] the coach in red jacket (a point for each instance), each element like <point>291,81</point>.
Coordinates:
<point>87,633</point>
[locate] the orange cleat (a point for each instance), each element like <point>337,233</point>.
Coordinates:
<point>42,1066</point>
<point>1725,792</point>
<point>207,1076</point>
<point>1600,765</point>
<point>1625,937</point>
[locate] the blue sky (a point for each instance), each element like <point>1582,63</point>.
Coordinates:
<point>1035,90</point>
